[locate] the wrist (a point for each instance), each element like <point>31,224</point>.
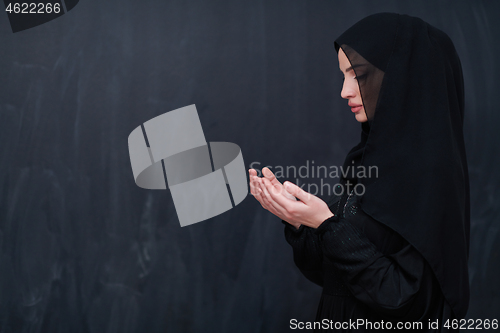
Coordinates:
<point>295,225</point>
<point>323,218</point>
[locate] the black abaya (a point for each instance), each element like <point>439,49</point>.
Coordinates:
<point>368,272</point>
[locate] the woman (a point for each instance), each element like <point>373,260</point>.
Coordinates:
<point>397,255</point>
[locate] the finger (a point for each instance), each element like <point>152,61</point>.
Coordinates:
<point>260,196</point>
<point>262,192</point>
<point>274,188</point>
<point>257,192</point>
<point>297,192</point>
<point>252,172</point>
<point>269,175</point>
<point>288,195</point>
<point>267,198</point>
<point>276,197</point>
<point>254,189</point>
<point>260,199</point>
<point>270,194</point>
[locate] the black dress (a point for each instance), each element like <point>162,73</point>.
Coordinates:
<point>368,272</point>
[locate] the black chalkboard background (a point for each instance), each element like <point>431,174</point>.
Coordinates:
<point>83,249</point>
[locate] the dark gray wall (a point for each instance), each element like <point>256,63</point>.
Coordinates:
<point>83,249</point>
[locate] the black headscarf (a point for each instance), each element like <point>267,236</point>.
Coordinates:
<point>412,88</point>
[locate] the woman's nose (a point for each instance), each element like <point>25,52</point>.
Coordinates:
<point>347,91</point>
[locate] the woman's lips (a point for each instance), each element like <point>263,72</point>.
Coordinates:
<point>356,108</point>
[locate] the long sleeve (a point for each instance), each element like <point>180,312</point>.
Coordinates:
<point>307,253</point>
<point>388,283</point>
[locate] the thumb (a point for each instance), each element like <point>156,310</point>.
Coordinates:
<point>297,192</point>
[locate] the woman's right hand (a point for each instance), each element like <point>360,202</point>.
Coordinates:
<point>255,189</point>
<point>257,193</point>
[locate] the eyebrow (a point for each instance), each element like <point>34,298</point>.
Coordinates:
<point>351,68</point>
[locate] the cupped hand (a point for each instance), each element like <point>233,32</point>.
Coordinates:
<point>281,200</point>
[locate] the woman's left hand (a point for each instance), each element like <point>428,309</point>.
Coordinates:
<point>310,210</point>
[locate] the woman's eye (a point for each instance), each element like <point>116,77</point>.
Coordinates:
<point>360,77</point>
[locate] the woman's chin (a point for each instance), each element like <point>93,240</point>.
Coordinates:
<point>361,116</point>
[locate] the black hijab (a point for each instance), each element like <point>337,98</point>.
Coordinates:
<point>412,88</point>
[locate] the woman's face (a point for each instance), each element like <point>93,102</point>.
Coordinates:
<point>350,89</point>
